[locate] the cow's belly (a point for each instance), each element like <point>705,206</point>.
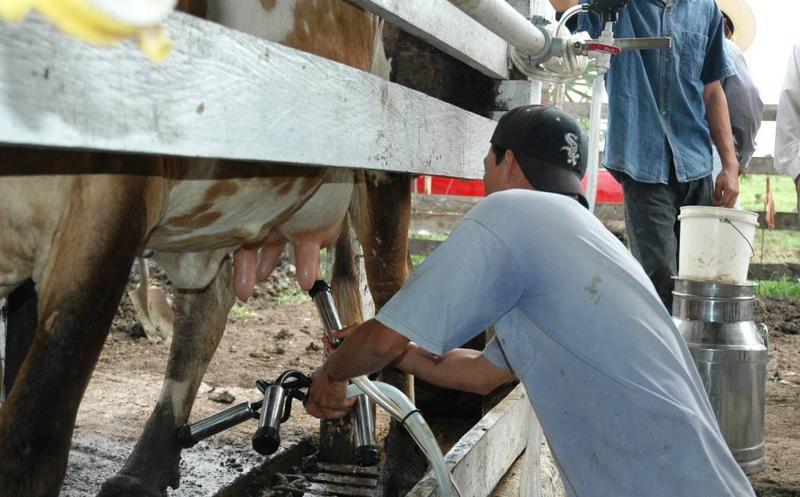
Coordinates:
<point>205,219</point>
<point>30,209</point>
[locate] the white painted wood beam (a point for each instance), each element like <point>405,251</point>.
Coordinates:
<point>225,94</point>
<point>446,27</point>
<point>483,455</point>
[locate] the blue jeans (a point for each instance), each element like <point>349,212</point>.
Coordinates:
<point>651,222</point>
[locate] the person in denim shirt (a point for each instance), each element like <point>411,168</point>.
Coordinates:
<point>665,108</point>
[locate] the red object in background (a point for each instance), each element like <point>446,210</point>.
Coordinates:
<point>608,190</point>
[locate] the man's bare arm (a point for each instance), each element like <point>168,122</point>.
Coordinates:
<point>727,183</point>
<point>460,369</point>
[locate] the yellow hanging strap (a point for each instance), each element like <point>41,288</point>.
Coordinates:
<point>81,19</point>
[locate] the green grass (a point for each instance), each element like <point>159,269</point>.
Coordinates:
<point>293,296</point>
<point>438,237</point>
<point>753,187</point>
<point>779,246</point>
<point>417,259</point>
<point>243,313</point>
<point>784,288</point>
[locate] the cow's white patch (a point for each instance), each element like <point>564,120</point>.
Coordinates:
<point>251,17</point>
<point>190,270</point>
<point>175,393</point>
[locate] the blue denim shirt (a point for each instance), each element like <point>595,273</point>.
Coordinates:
<point>656,106</point>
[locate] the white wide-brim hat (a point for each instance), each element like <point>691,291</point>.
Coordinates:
<point>744,22</point>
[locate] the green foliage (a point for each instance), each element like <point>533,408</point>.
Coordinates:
<point>753,187</point>
<point>439,237</point>
<point>417,259</point>
<point>776,246</point>
<point>243,313</point>
<point>292,296</point>
<point>784,288</point>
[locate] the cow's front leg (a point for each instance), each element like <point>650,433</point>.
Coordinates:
<point>80,283</point>
<point>199,323</point>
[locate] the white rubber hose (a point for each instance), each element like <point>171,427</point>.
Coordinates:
<point>401,408</point>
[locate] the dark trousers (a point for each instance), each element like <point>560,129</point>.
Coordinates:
<point>651,221</point>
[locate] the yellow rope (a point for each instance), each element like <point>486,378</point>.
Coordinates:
<point>81,19</point>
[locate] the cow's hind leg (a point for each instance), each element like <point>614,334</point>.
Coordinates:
<point>199,323</point>
<point>79,290</point>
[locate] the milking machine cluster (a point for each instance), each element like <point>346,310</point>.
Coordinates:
<point>276,406</point>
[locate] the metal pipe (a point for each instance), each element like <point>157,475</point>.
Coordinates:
<point>503,20</point>
<point>188,435</point>
<point>367,453</point>
<point>267,438</point>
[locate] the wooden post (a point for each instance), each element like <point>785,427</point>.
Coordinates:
<point>530,481</point>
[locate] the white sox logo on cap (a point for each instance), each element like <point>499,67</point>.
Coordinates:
<point>572,148</point>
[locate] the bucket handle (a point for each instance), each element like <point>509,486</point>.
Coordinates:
<point>752,251</point>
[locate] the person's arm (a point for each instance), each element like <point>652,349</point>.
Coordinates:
<point>745,106</point>
<point>371,346</point>
<point>460,369</point>
<point>787,126</point>
<point>562,5</point>
<point>727,183</point>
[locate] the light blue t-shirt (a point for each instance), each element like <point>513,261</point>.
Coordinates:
<point>580,324</point>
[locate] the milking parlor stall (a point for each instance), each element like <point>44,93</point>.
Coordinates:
<point>266,168</point>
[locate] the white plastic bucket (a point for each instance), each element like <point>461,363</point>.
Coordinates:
<point>716,243</point>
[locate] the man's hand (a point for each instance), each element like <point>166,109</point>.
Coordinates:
<point>726,189</point>
<point>341,334</point>
<point>327,399</point>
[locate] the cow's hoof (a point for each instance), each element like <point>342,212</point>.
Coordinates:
<point>128,486</point>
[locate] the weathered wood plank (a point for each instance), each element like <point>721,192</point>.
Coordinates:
<point>223,93</point>
<point>365,482</point>
<point>762,165</point>
<point>783,220</point>
<point>333,489</point>
<point>773,271</point>
<point>484,454</point>
<point>439,213</point>
<point>446,27</point>
<point>347,469</point>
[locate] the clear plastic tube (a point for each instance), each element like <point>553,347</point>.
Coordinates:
<point>594,141</point>
<point>402,409</point>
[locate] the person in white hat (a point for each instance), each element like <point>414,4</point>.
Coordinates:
<point>744,101</point>
<point>787,134</point>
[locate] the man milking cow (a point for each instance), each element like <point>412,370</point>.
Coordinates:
<point>576,318</point>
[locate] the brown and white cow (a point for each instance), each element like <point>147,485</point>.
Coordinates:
<point>74,222</point>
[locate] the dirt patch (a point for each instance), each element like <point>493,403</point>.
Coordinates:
<point>278,329</point>
<point>273,333</point>
<point>782,423</point>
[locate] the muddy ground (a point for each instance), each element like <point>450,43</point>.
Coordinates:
<point>278,330</point>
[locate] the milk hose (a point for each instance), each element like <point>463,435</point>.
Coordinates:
<point>403,410</point>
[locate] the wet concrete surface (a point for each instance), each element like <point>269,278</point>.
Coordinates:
<point>206,469</point>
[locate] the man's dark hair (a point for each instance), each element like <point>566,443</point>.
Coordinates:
<point>727,25</point>
<point>548,145</point>
<point>499,153</point>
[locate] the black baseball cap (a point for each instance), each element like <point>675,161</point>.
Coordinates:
<point>549,146</point>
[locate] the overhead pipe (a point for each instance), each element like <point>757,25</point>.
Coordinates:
<point>503,20</point>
